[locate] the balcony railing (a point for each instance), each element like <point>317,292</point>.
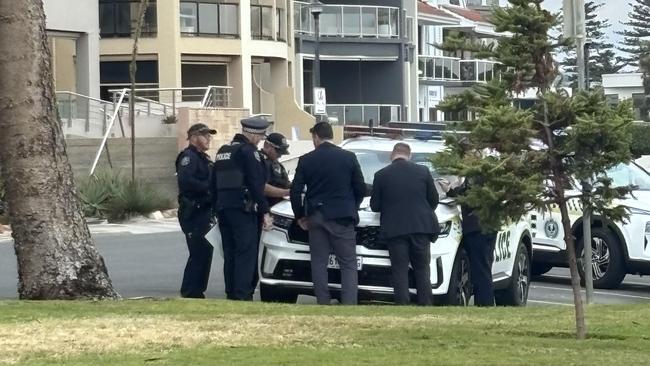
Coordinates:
<point>441,68</point>
<point>361,114</point>
<point>349,21</point>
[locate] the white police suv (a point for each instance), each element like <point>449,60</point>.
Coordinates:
<point>618,248</point>
<point>285,261</point>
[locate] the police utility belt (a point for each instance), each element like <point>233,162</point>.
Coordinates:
<point>230,180</point>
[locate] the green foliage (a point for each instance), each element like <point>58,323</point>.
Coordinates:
<point>640,144</point>
<point>638,29</point>
<point>518,159</point>
<point>111,195</point>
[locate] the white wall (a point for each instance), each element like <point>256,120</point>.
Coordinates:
<point>80,18</point>
<point>624,85</point>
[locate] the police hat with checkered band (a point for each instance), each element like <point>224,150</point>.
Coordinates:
<point>255,125</point>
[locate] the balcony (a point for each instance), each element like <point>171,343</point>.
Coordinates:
<point>356,21</point>
<point>453,69</point>
<point>360,114</point>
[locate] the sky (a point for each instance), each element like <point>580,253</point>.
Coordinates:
<point>614,10</point>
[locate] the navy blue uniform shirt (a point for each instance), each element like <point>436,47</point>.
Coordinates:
<point>193,169</point>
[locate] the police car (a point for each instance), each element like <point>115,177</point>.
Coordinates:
<point>618,248</point>
<point>285,258</point>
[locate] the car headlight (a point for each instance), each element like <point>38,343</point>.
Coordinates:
<point>282,222</point>
<point>638,211</point>
<point>445,228</point>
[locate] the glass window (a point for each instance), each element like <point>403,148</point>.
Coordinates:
<point>305,18</point>
<point>354,115</point>
<point>371,161</point>
<point>107,18</point>
<point>330,20</point>
<point>256,21</point>
<point>394,22</point>
<point>369,21</point>
<point>189,18</point>
<point>281,29</point>
<point>228,19</point>
<point>351,21</point>
<point>296,17</point>
<point>208,18</point>
<point>371,113</point>
<point>267,22</point>
<point>629,174</point>
<point>384,21</point>
<point>123,18</point>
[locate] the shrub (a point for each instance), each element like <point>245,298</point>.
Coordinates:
<point>109,194</point>
<point>640,144</point>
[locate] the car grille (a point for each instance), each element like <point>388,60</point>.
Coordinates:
<point>368,276</point>
<point>366,236</point>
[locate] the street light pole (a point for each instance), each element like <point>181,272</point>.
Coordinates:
<point>316,10</point>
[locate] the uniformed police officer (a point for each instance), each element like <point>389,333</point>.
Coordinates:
<point>193,169</point>
<point>277,181</point>
<point>239,186</point>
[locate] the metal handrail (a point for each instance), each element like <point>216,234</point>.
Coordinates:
<point>108,130</point>
<point>208,91</point>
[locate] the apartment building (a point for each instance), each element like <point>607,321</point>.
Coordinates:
<point>242,46</point>
<point>74,45</point>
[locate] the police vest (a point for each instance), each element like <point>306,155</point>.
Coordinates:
<point>228,175</point>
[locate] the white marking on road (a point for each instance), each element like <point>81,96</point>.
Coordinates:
<point>595,292</point>
<point>549,302</point>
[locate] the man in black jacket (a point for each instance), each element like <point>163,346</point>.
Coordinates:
<point>405,195</point>
<point>335,190</point>
<point>480,249</point>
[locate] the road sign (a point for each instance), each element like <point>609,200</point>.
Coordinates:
<point>320,101</point>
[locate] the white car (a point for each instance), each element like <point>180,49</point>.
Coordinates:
<point>619,248</point>
<point>285,261</point>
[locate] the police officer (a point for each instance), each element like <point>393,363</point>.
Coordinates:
<point>193,169</point>
<point>277,182</point>
<point>239,181</point>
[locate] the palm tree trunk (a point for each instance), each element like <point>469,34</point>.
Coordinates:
<point>56,255</point>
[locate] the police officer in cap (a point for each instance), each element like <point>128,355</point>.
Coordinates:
<point>277,182</point>
<point>193,169</point>
<point>239,181</point>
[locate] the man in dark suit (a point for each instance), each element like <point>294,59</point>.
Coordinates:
<point>405,195</point>
<point>329,211</point>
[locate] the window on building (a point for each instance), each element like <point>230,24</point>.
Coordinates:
<point>454,2</point>
<point>261,22</point>
<point>331,20</point>
<point>115,75</point>
<point>119,18</point>
<point>369,21</point>
<point>209,18</point>
<point>281,29</point>
<point>202,74</point>
<point>383,14</point>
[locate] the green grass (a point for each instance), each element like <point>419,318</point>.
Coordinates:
<point>178,332</point>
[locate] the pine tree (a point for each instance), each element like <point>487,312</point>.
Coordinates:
<point>522,158</point>
<point>638,31</point>
<point>602,59</point>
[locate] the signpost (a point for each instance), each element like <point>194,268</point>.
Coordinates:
<point>574,27</point>
<point>320,101</point>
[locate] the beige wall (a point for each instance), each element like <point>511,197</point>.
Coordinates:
<point>63,63</point>
<point>225,121</point>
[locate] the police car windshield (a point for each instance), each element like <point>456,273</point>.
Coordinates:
<point>372,161</point>
<point>629,174</point>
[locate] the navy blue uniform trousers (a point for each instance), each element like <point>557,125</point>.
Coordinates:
<point>480,250</point>
<point>240,238</point>
<point>197,269</point>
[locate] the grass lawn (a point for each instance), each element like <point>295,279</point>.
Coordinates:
<point>195,332</point>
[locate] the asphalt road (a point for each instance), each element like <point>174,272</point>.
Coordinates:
<point>152,265</point>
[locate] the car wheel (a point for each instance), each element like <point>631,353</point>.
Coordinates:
<point>539,269</point>
<point>269,293</point>
<point>460,285</point>
<point>608,259</point>
<point>516,294</point>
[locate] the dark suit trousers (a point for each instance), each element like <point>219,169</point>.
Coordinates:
<point>325,236</point>
<point>416,250</point>
<point>480,250</point>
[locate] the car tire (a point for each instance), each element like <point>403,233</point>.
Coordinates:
<point>609,259</point>
<point>460,285</point>
<point>516,294</point>
<point>539,269</point>
<point>269,293</point>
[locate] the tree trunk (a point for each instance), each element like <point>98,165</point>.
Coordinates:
<point>56,255</point>
<point>581,326</point>
<point>133,68</point>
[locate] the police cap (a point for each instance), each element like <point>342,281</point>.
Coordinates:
<point>255,125</point>
<point>200,129</point>
<point>279,142</point>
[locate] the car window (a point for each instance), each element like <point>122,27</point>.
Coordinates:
<point>372,161</point>
<point>629,174</point>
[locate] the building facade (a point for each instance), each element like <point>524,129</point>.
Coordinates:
<point>74,45</point>
<point>240,45</point>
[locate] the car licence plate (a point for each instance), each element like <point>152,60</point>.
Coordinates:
<point>333,262</point>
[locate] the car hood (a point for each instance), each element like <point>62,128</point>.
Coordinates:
<point>447,210</point>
